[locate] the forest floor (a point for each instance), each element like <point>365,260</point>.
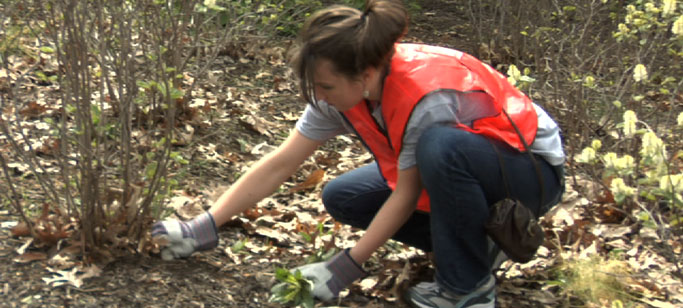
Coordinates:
<point>253,107</point>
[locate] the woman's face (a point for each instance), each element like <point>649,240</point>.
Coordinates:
<point>334,88</point>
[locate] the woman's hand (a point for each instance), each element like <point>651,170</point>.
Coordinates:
<point>332,276</point>
<point>184,238</point>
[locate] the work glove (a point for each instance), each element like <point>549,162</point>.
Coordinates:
<point>332,276</point>
<point>184,238</point>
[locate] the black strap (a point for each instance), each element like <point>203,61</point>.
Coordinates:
<point>502,169</point>
<point>533,160</point>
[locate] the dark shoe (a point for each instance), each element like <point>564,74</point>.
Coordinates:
<point>429,294</point>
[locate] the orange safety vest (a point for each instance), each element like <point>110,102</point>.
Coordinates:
<point>417,70</point>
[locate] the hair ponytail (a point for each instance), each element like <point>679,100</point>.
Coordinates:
<point>385,23</point>
<point>352,40</point>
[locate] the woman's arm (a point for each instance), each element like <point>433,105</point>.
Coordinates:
<point>264,177</point>
<point>393,214</point>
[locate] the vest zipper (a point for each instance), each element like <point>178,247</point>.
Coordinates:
<point>381,129</point>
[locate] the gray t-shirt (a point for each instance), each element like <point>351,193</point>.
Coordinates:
<point>437,108</point>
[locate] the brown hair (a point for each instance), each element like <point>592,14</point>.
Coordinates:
<point>352,40</point>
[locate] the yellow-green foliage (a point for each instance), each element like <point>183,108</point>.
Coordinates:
<point>641,168</point>
<point>650,176</point>
<point>595,281</point>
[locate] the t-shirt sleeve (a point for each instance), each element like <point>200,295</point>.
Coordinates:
<point>435,109</point>
<point>321,123</point>
<point>548,141</point>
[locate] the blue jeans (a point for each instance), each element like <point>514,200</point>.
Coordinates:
<point>461,172</point>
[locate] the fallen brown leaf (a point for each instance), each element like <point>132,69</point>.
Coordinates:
<point>313,179</point>
<point>21,229</point>
<point>29,257</point>
<point>33,110</point>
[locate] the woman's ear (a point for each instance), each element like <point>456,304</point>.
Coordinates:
<point>368,74</point>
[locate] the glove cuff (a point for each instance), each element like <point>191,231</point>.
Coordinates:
<point>204,231</point>
<point>344,269</point>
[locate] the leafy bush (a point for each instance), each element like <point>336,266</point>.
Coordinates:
<point>638,167</point>
<point>648,178</point>
<point>588,63</point>
<point>611,74</point>
<point>582,55</point>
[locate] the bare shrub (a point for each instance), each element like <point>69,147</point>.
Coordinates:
<point>119,85</point>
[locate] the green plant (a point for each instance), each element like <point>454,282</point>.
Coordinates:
<point>310,237</point>
<point>321,254</point>
<point>293,289</point>
<point>324,251</point>
<point>238,246</point>
<point>516,78</point>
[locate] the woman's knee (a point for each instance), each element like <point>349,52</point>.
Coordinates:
<point>342,209</point>
<point>332,198</point>
<point>330,190</point>
<point>352,201</point>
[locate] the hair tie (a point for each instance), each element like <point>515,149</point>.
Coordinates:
<point>362,16</point>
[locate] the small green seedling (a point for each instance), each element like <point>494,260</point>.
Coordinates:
<point>293,289</point>
<point>321,254</point>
